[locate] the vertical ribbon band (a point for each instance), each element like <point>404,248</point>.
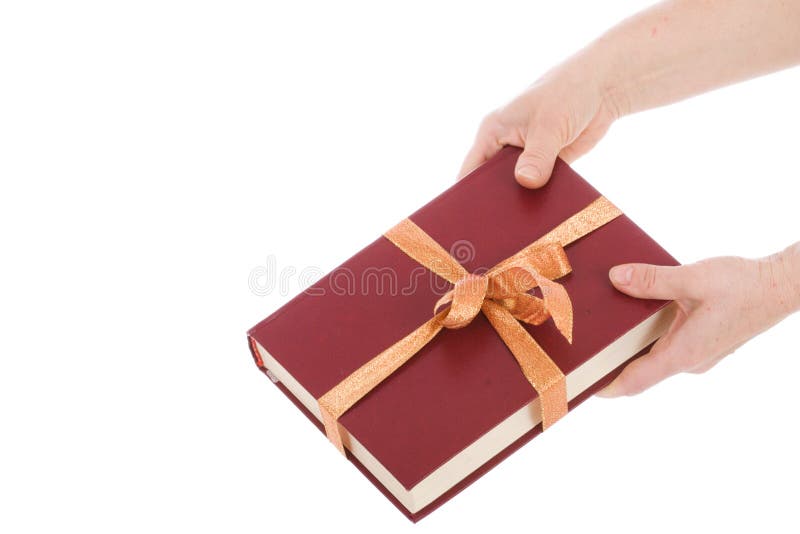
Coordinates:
<point>502,294</point>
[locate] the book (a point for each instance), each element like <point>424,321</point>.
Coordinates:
<point>461,404</point>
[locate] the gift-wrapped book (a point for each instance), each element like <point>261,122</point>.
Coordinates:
<point>455,337</point>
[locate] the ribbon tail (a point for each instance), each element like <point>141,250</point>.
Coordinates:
<point>542,373</point>
<point>558,304</point>
<point>346,393</point>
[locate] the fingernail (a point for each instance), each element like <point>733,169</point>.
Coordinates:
<point>622,274</point>
<point>529,172</point>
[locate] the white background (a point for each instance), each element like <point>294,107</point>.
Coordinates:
<point>153,154</point>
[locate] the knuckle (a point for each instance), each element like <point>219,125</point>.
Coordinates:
<point>673,366</point>
<point>649,277</point>
<point>536,153</point>
<point>689,361</point>
<point>710,277</point>
<point>701,367</point>
<point>491,123</point>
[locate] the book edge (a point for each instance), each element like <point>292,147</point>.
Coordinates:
<point>523,421</point>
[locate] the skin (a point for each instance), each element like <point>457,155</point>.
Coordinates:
<point>669,52</point>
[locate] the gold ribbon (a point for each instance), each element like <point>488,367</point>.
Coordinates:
<point>501,294</point>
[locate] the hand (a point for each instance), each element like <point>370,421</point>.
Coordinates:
<point>721,302</point>
<point>564,113</point>
<point>668,52</point>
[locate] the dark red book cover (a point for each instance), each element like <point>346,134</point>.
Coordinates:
<point>464,382</point>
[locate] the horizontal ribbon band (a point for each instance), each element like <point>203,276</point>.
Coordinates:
<point>501,294</point>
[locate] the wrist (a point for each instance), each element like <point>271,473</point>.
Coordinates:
<point>785,266</point>
<point>600,64</point>
<point>792,258</point>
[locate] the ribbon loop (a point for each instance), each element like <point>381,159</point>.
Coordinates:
<point>467,298</point>
<point>557,303</point>
<point>549,258</point>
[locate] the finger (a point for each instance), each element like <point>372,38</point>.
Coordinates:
<point>647,281</point>
<point>484,148</point>
<point>487,143</point>
<point>638,375</point>
<point>618,386</point>
<point>644,372</point>
<point>704,366</point>
<point>542,144</point>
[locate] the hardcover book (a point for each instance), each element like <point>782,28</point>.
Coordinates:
<point>461,403</point>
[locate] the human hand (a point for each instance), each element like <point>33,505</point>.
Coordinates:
<point>564,114</point>
<point>661,55</point>
<point>721,303</point>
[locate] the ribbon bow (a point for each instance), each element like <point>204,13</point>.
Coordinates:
<point>508,286</point>
<point>502,294</point>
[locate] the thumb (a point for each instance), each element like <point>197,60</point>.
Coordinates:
<point>542,145</point>
<point>646,281</point>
